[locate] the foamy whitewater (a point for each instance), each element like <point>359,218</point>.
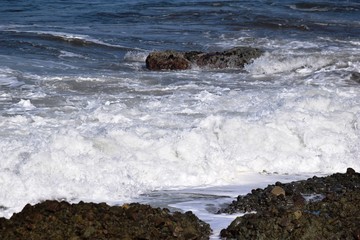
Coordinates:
<point>82,119</point>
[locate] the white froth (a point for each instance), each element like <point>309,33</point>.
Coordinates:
<point>273,64</point>
<point>67,54</point>
<point>110,151</point>
<point>136,56</point>
<point>287,113</point>
<point>25,105</point>
<point>8,78</point>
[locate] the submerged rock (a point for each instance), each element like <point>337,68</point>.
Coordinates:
<point>172,60</point>
<point>331,211</point>
<point>61,220</point>
<point>355,76</point>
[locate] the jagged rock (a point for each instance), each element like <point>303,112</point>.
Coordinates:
<point>318,187</point>
<point>61,220</point>
<point>334,215</point>
<point>172,60</point>
<point>326,219</point>
<point>233,58</point>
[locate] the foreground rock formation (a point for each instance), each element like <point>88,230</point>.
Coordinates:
<point>61,220</point>
<point>318,208</point>
<point>172,60</point>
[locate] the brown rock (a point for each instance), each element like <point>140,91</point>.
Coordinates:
<point>299,201</point>
<point>332,212</point>
<point>277,191</point>
<point>233,58</point>
<point>167,60</point>
<point>61,220</point>
<point>171,60</point>
<point>297,214</point>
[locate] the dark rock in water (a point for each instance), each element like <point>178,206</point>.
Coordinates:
<point>61,220</point>
<point>233,58</point>
<point>172,60</point>
<point>335,215</point>
<point>355,76</point>
<point>169,60</point>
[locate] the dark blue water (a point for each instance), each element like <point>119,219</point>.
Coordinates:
<point>104,30</point>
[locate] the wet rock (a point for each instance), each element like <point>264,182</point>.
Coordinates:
<point>61,220</point>
<point>172,60</point>
<point>167,60</point>
<point>296,192</point>
<point>336,215</point>
<point>233,58</point>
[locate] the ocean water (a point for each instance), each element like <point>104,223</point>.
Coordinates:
<point>81,118</point>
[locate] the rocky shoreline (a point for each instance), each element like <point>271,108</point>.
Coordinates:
<point>61,220</point>
<point>316,208</point>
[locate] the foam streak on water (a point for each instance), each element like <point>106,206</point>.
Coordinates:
<point>82,119</point>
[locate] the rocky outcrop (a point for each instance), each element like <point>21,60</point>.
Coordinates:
<point>326,219</point>
<point>172,60</point>
<point>317,208</point>
<point>61,220</point>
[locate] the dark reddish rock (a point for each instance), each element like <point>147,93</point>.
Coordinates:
<point>172,60</point>
<point>61,220</point>
<point>167,60</point>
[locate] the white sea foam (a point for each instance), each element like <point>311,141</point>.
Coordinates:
<point>8,77</point>
<point>111,138</point>
<point>9,81</point>
<point>136,56</point>
<point>66,54</point>
<point>274,64</point>
<point>24,105</point>
<point>109,150</point>
<point>176,133</point>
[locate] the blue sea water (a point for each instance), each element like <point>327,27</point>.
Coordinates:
<point>83,119</point>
